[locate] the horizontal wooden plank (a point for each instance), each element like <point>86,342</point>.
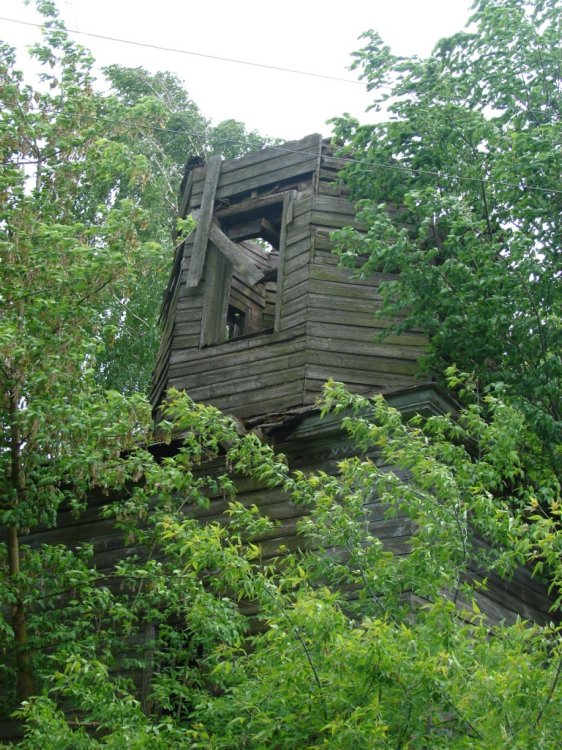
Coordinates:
<point>186,342</point>
<point>297,278</point>
<point>290,307</point>
<point>225,361</point>
<point>296,288</point>
<point>188,315</point>
<point>322,240</point>
<point>368,348</point>
<point>333,220</point>
<point>301,224</point>
<point>254,205</point>
<point>310,143</point>
<point>271,404</point>
<point>239,370</point>
<point>360,333</point>
<point>251,402</point>
<point>302,204</point>
<point>339,206</point>
<point>333,163</point>
<point>296,234</point>
<point>290,164</point>
<point>300,247</point>
<point>343,317</point>
<point>328,187</point>
<point>274,547</point>
<point>235,390</point>
<point>345,275</point>
<point>372,348</point>
<point>355,363</point>
<point>289,169</point>
<point>515,598</point>
<point>343,289</point>
<point>263,346</point>
<point>345,304</point>
<point>359,381</point>
<point>325,258</point>
<point>186,328</point>
<point>296,262</point>
<point>289,323</point>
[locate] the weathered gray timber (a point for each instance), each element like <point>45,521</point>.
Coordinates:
<point>258,314</point>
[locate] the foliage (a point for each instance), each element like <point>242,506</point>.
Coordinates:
<point>175,134</point>
<point>230,138</point>
<point>361,648</point>
<point>459,189</point>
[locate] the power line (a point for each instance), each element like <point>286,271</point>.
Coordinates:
<point>388,93</point>
<point>389,90</point>
<point>265,66</point>
<point>370,166</point>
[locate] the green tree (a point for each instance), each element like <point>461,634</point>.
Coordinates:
<point>459,188</point>
<point>71,246</point>
<point>174,133</point>
<point>89,198</point>
<point>366,649</point>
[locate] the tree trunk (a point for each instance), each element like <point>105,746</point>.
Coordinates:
<point>24,674</point>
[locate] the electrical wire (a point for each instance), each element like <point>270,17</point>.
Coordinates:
<point>295,71</point>
<point>265,66</point>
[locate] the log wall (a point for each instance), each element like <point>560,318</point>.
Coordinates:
<point>312,445</point>
<point>341,328</point>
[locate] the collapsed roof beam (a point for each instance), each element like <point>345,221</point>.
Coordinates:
<point>249,273</point>
<point>208,230</point>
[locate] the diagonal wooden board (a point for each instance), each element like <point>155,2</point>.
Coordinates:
<point>208,230</point>
<point>244,268</point>
<point>204,222</point>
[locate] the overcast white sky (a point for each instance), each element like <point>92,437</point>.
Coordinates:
<point>313,35</point>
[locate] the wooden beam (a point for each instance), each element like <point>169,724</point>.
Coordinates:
<point>287,218</point>
<point>218,279</point>
<point>244,269</point>
<point>256,227</point>
<point>204,223</point>
<point>186,196</point>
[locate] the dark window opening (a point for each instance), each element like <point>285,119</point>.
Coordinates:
<point>265,232</point>
<point>257,233</point>
<point>235,323</point>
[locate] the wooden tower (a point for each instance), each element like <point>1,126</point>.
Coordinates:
<point>257,313</point>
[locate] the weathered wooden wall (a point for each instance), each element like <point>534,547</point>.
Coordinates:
<point>341,328</point>
<point>320,320</point>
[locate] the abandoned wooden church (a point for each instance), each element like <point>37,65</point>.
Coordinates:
<point>258,315</point>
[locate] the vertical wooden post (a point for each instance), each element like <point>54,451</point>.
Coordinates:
<point>204,223</point>
<point>285,220</point>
